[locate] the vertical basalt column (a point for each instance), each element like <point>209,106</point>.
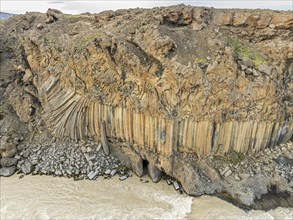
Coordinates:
<point>162,135</point>
<point>147,132</point>
<point>74,116</point>
<point>169,137</point>
<point>142,130</point>
<point>287,132</point>
<point>189,135</point>
<point>96,119</point>
<point>135,126</point>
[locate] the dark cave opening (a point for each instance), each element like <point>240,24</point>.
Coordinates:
<point>145,164</point>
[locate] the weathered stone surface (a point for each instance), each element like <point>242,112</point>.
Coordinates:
<point>93,175</point>
<point>28,76</point>
<point>285,161</point>
<point>282,21</point>
<point>121,178</point>
<point>53,15</point>
<point>22,102</point>
<point>176,185</point>
<point>178,17</point>
<point>154,173</point>
<point>7,171</point>
<point>7,162</point>
<point>7,149</point>
<point>113,172</point>
<point>265,69</point>
<point>104,138</point>
<point>26,168</point>
<point>129,158</point>
<point>107,172</point>
<point>240,18</point>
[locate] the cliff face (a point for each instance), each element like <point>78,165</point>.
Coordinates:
<point>189,79</point>
<point>165,80</point>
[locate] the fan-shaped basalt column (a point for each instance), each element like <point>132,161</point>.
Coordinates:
<point>74,116</point>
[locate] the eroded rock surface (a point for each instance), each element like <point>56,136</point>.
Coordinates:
<point>173,86</point>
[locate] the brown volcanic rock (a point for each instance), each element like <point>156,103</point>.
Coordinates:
<point>182,67</point>
<point>167,82</point>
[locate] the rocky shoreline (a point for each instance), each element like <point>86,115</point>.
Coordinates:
<point>86,160</point>
<point>80,161</point>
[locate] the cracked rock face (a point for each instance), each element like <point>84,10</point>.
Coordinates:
<point>184,79</point>
<point>165,80</point>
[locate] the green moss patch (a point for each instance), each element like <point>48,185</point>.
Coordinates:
<point>200,61</point>
<point>231,157</point>
<point>234,157</point>
<point>241,51</point>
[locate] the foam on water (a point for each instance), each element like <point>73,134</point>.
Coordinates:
<point>43,197</point>
<point>206,207</point>
<point>47,197</point>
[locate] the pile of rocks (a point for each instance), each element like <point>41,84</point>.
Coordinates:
<point>269,162</point>
<point>8,150</point>
<point>78,160</point>
<point>249,69</point>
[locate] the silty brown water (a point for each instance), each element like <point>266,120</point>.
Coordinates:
<point>45,197</point>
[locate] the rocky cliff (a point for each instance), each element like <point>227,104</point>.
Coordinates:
<point>166,85</point>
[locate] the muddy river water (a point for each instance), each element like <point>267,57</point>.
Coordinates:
<point>45,197</point>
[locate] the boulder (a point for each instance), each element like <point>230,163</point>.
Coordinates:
<point>191,180</point>
<point>53,15</point>
<point>255,72</point>
<point>282,21</point>
<point>113,172</point>
<point>121,178</point>
<point>129,158</point>
<point>26,168</point>
<point>176,185</point>
<point>178,16</point>
<point>83,149</point>
<point>7,171</point>
<point>265,69</point>
<point>107,172</point>
<point>154,172</point>
<point>248,63</point>
<point>7,149</point>
<point>249,71</point>
<point>264,21</point>
<point>93,175</point>
<point>240,18</point>
<point>7,162</point>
